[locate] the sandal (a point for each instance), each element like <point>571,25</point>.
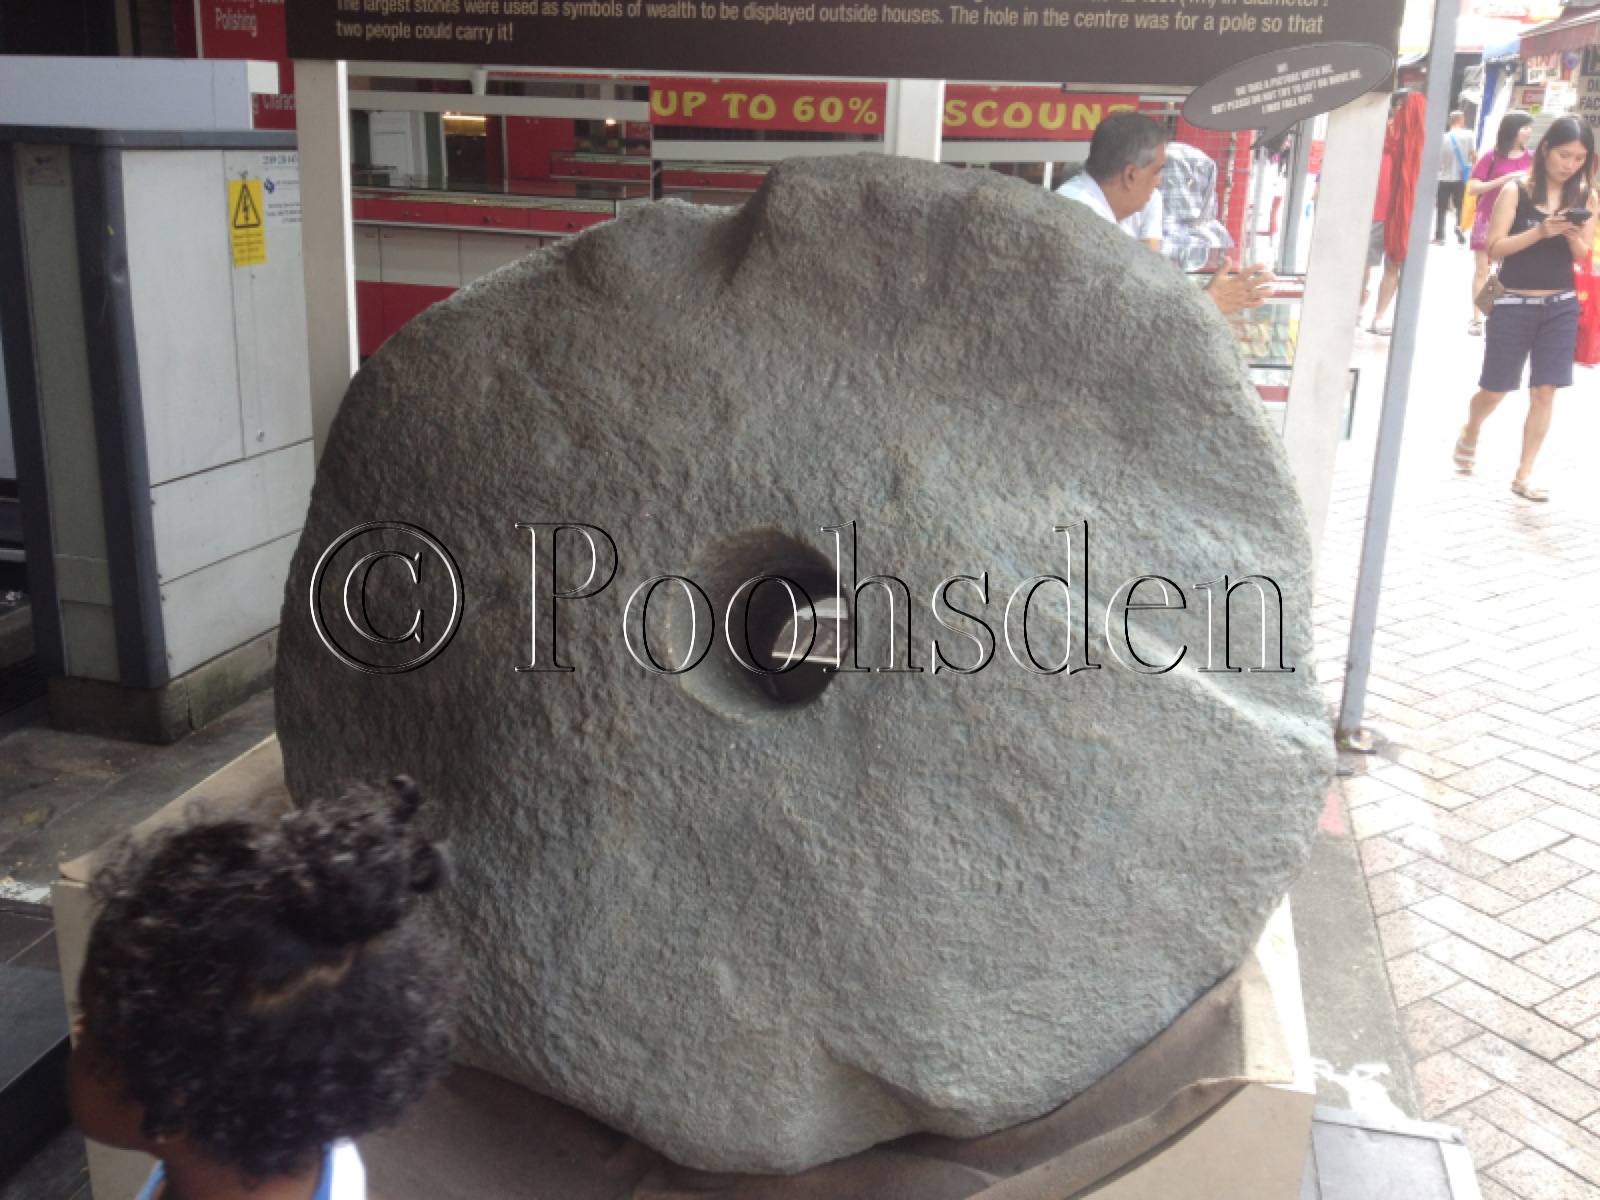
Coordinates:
<point>1527,491</point>
<point>1466,457</point>
<point>1476,328</point>
<point>1385,331</point>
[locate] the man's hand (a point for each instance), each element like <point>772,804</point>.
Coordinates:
<point>1234,291</point>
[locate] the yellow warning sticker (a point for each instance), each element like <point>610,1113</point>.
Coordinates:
<point>245,223</point>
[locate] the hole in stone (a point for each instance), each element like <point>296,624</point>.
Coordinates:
<point>794,628</point>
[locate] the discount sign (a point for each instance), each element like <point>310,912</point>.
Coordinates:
<point>790,106</point>
<point>1030,114</point>
<point>979,111</point>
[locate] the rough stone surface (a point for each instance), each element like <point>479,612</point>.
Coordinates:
<point>761,935</point>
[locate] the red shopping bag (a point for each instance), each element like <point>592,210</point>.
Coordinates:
<point>1587,283</point>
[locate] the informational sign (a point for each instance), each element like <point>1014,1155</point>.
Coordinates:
<point>830,106</point>
<point>45,166</point>
<point>247,222</point>
<point>1276,91</point>
<point>251,29</point>
<point>1541,69</point>
<point>1148,42</point>
<point>1588,105</point>
<point>280,188</point>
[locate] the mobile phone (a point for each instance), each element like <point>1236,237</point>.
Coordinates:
<point>1577,215</point>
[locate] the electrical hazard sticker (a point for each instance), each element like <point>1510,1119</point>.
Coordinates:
<point>246,228</point>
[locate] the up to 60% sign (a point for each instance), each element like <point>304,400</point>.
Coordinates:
<point>798,105</point>
<point>831,109</point>
<point>711,104</point>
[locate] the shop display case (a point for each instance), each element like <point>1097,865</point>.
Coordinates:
<point>727,184</point>
<point>579,166</point>
<point>1267,336</point>
<point>415,244</point>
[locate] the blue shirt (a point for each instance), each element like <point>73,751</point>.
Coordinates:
<point>343,1176</point>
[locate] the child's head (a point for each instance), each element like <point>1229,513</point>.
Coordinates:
<point>259,989</point>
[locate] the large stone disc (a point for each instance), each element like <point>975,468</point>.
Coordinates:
<point>762,929</point>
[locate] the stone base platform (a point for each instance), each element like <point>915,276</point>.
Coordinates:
<point>1218,1107</point>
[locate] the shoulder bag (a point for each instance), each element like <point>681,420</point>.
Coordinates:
<point>1469,199</point>
<point>1491,291</point>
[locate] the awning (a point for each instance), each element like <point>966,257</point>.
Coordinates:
<point>1573,30</point>
<point>1474,33</point>
<point>1504,52</point>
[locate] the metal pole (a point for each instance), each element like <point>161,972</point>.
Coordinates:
<point>1226,212</point>
<point>1396,384</point>
<point>1295,202</point>
<point>1260,164</point>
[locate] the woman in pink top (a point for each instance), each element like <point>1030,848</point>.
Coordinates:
<point>1507,161</point>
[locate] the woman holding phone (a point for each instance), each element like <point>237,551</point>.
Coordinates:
<point>1538,230</point>
<point>1508,161</point>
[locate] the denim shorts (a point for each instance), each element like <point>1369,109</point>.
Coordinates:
<point>1548,333</point>
<point>1375,245</point>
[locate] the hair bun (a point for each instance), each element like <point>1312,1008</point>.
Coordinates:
<point>356,864</point>
<point>407,798</point>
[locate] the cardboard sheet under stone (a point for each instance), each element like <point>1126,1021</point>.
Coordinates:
<point>477,1135</point>
<point>1204,1091</point>
<point>760,931</point>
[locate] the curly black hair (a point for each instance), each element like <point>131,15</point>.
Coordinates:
<point>265,987</point>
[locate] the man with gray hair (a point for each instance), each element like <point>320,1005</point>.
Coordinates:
<point>1119,182</point>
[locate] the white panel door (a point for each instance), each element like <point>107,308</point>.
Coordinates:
<point>270,311</point>
<point>394,141</point>
<point>180,270</point>
<point>205,518</point>
<point>212,610</point>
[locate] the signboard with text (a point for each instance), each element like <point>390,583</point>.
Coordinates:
<point>1037,114</point>
<point>1274,91</point>
<point>1144,42</point>
<point>251,29</point>
<point>1027,114</point>
<point>1588,99</point>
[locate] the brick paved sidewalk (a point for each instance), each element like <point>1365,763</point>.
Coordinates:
<point>1478,820</point>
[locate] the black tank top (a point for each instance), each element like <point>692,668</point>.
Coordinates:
<point>1545,266</point>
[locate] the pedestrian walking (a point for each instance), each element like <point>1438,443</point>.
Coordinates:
<point>1537,231</point>
<point>1456,160</point>
<point>1508,160</point>
<point>1402,147</point>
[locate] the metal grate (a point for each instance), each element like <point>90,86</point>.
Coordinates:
<point>1356,1157</point>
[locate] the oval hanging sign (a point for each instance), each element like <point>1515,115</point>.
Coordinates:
<point>1273,92</point>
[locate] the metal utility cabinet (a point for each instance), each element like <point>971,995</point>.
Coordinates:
<point>153,311</point>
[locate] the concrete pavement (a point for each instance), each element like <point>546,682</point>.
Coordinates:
<point>1478,819</point>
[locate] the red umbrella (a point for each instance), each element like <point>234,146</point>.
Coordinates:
<point>1403,145</point>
